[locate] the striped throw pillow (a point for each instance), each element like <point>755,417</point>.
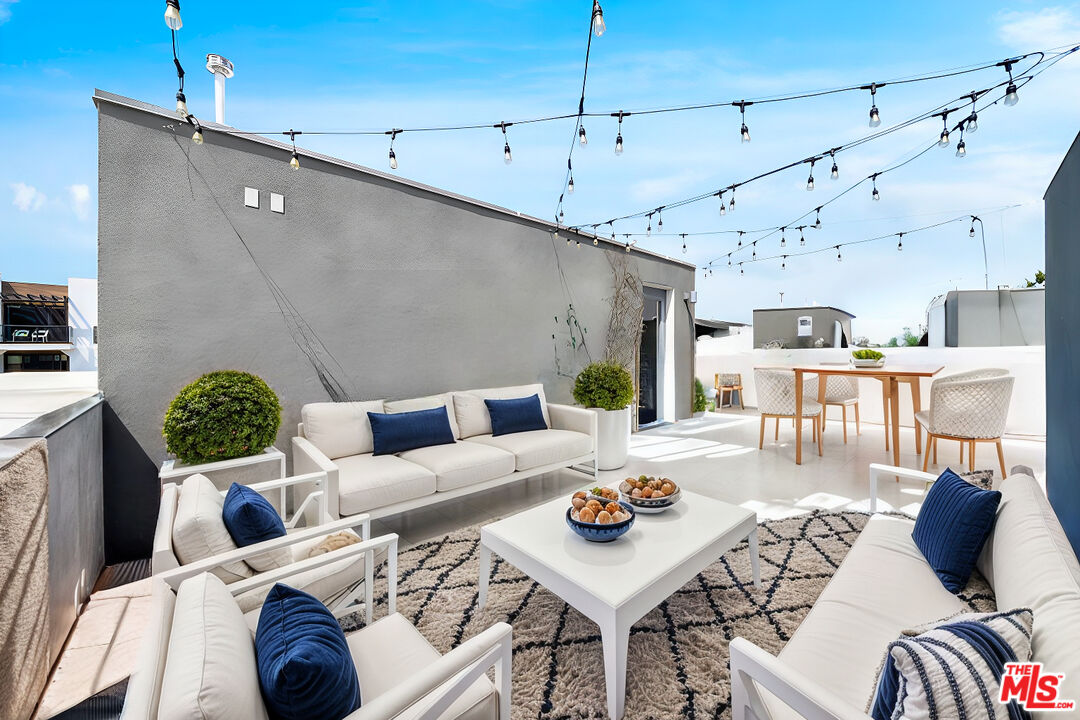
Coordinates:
<point>953,669</point>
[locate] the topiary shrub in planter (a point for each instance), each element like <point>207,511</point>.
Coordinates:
<point>604,385</point>
<point>222,415</point>
<point>701,404</point>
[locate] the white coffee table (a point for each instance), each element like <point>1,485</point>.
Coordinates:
<point>615,584</point>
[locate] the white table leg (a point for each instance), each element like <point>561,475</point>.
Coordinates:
<point>485,573</point>
<point>615,637</point>
<point>755,565</point>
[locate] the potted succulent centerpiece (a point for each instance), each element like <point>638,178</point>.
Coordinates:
<point>219,418</point>
<point>608,388</point>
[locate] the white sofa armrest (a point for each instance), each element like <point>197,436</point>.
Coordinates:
<point>752,667</point>
<point>315,498</point>
<point>175,577</point>
<point>163,557</point>
<point>444,680</point>
<point>308,459</point>
<point>568,417</point>
<point>878,470</point>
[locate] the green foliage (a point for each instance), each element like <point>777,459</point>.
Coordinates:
<point>908,339</point>
<point>224,414</point>
<point>1040,279</point>
<point>700,403</point>
<point>604,385</point>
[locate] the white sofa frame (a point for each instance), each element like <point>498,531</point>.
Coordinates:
<point>309,459</point>
<point>164,562</point>
<point>442,682</point>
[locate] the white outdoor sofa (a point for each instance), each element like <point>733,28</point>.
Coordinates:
<point>198,660</point>
<point>339,584</point>
<point>335,438</point>
<point>828,668</point>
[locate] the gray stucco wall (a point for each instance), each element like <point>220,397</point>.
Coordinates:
<point>994,318</point>
<point>782,324</point>
<point>412,291</point>
<point>1063,343</point>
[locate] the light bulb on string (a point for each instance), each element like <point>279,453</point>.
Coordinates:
<point>729,259</point>
<point>660,223</point>
<point>875,116</point>
<point>648,228</point>
<point>618,134</point>
<point>943,139</point>
<point>741,233</point>
<point>294,162</point>
<point>783,239</point>
<point>971,232</point>
<point>817,220</point>
<point>838,258</point>
<point>961,148</point>
<point>875,195</point>
<point>598,25</point>
<point>900,242</point>
<point>744,131</point>
<point>783,262</point>
<point>810,180</point>
<point>741,269</point>
<point>1011,98</point>
<point>731,205</point>
<point>802,238</point>
<point>972,122</point>
<point>570,185</point>
<point>581,136</point>
<point>172,14</point>
<point>507,157</point>
<point>628,246</point>
<point>181,105</point>
<point>393,160</point>
<point>753,253</point>
<point>562,215</point>
<point>393,156</point>
<point>684,243</point>
<point>723,207</point>
<point>834,174</point>
<point>197,136</point>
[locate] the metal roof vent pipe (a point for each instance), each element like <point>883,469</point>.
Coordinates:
<point>222,69</point>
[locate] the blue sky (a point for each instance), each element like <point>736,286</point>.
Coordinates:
<point>399,64</point>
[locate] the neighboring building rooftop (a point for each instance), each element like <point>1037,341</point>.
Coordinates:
<point>806,307</point>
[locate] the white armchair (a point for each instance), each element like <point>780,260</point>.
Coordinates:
<point>968,407</point>
<point>340,583</point>
<point>401,675</point>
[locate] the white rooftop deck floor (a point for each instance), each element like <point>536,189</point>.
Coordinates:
<point>717,455</point>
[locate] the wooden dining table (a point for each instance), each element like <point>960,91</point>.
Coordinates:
<point>890,375</point>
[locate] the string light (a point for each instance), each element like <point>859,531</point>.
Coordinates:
<point>648,228</point>
<point>817,220</point>
<point>971,232</point>
<point>783,262</point>
<point>753,253</point>
<point>943,139</point>
<point>723,207</point>
<point>618,136</point>
<point>1011,97</point>
<point>570,185</point>
<point>507,157</point>
<point>961,148</point>
<point>660,217</point>
<point>875,195</point>
<point>172,15</point>
<point>393,157</point>
<point>802,238</point>
<point>744,132</point>
<point>181,104</point>
<point>197,137</point>
<point>834,174</point>
<point>838,258</point>
<point>731,205</point>
<point>741,233</point>
<point>684,243</point>
<point>729,259</point>
<point>810,181</point>
<point>783,239</point>
<point>294,163</point>
<point>598,24</point>
<point>875,116</point>
<point>581,136</point>
<point>741,269</point>
<point>900,242</point>
<point>973,118</point>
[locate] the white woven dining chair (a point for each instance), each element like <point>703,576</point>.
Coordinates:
<point>776,399</point>
<point>842,391</point>
<point>969,407</point>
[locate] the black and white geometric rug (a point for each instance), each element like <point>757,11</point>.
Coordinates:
<point>678,657</point>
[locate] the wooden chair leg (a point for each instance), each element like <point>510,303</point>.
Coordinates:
<point>858,430</point>
<point>971,455</point>
<point>741,406</point>
<point>935,447</point>
<point>761,439</point>
<point>1001,457</point>
<point>824,416</point>
<point>820,432</point>
<point>843,413</point>
<point>926,456</point>
<point>885,410</point>
<point>962,443</point>
<point>776,435</point>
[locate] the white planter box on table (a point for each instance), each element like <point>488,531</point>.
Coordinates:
<point>267,465</point>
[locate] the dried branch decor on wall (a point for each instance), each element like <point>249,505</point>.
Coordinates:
<point>627,303</point>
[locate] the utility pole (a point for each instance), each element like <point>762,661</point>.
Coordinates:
<point>781,298</point>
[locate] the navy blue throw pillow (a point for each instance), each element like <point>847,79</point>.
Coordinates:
<point>305,669</point>
<point>249,517</point>
<point>516,415</point>
<point>952,527</point>
<point>398,432</point>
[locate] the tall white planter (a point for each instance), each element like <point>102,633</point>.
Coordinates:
<point>612,437</point>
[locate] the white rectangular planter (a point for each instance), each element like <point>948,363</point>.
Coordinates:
<point>267,465</point>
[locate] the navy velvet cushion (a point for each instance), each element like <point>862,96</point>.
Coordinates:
<point>249,517</point>
<point>952,527</point>
<point>516,415</point>
<point>305,669</point>
<point>398,432</point>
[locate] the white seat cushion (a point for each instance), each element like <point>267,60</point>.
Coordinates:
<point>340,429</point>
<point>472,414</point>
<point>199,532</point>
<point>923,418</point>
<point>539,447</point>
<point>1029,563</point>
<point>462,463</point>
<point>210,671</point>
<point>144,687</point>
<point>366,482</point>
<point>325,583</point>
<point>883,587</point>
<point>392,649</point>
<point>426,403</point>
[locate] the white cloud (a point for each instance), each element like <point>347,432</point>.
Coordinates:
<point>27,197</point>
<point>80,200</point>
<point>5,10</point>
<point>1048,27</point>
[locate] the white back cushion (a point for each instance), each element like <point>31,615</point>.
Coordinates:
<point>199,532</point>
<point>210,671</point>
<point>144,687</point>
<point>1029,562</point>
<point>472,413</point>
<point>426,403</point>
<point>340,429</point>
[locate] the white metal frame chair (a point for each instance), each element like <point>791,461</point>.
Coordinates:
<point>776,399</point>
<point>164,562</point>
<point>970,408</point>
<point>439,683</point>
<point>841,391</point>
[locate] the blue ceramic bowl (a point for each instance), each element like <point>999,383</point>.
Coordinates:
<point>594,532</point>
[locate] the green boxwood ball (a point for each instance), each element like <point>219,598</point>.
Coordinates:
<point>222,415</point>
<point>604,385</point>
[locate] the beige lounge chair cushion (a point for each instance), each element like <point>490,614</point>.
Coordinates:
<point>199,532</point>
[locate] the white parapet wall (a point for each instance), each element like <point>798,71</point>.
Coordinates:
<point>1027,412</point>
